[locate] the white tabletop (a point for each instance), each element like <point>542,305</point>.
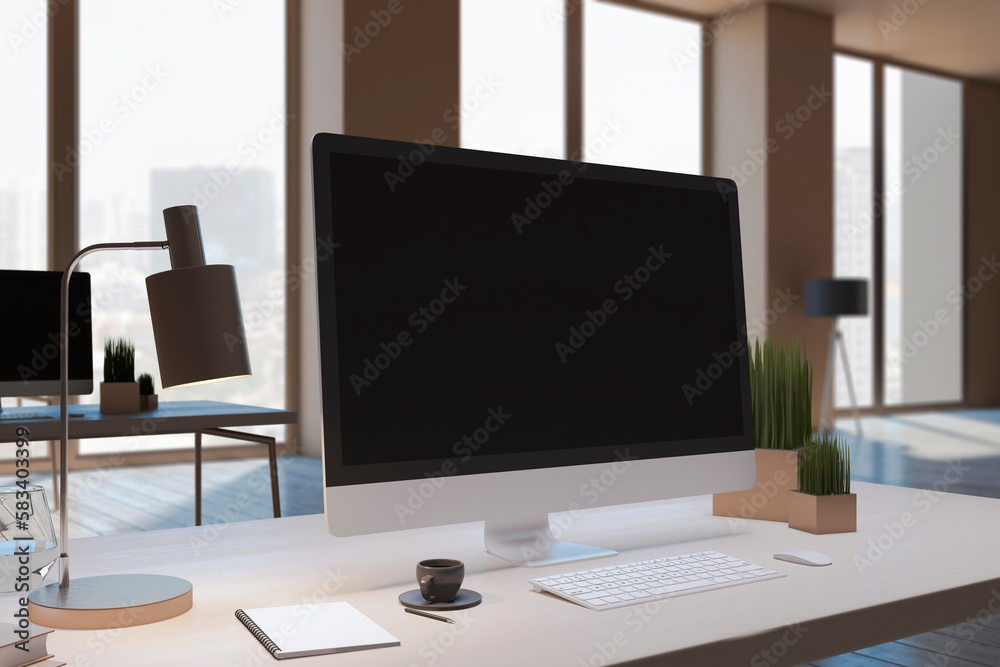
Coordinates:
<point>936,569</point>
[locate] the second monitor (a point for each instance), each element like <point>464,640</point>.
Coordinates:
<point>505,336</point>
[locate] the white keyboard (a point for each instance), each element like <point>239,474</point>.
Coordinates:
<point>648,580</point>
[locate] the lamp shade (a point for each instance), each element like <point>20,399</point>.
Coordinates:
<point>833,297</point>
<point>197,325</point>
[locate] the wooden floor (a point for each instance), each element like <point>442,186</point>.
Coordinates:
<point>124,500</point>
<point>928,451</point>
<point>915,450</point>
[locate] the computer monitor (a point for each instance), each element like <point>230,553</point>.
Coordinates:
<point>504,336</point>
<point>30,338</point>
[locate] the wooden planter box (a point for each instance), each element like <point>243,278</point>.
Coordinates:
<point>777,474</point>
<point>119,397</point>
<point>148,402</point>
<point>821,515</point>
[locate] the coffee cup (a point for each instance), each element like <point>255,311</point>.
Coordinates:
<point>440,578</point>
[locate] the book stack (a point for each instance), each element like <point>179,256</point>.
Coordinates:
<point>17,652</point>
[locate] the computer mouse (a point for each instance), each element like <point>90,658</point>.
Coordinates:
<point>814,558</point>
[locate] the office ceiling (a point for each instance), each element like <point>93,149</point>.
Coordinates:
<point>958,36</point>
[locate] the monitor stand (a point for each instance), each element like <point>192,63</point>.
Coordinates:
<point>529,541</point>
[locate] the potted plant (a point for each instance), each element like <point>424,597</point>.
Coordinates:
<point>119,391</point>
<point>823,502</point>
<point>147,396</point>
<point>781,398</point>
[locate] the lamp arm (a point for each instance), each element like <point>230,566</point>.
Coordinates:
<point>64,390</point>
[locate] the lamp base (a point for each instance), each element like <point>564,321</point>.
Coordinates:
<point>114,600</point>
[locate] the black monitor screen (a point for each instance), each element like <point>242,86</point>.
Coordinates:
<point>30,339</point>
<point>477,317</point>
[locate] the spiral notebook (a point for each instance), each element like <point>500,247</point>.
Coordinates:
<point>304,630</point>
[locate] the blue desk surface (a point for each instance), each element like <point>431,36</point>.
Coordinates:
<point>169,417</point>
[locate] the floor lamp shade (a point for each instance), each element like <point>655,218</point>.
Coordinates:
<point>831,297</point>
<point>197,325</point>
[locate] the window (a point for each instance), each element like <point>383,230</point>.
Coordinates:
<point>918,216</point>
<point>642,89</point>
<point>193,115</point>
<point>853,222</point>
<point>512,78</point>
<point>23,173</point>
<point>923,238</point>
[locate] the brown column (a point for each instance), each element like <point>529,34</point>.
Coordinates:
<point>982,244</point>
<point>64,161</point>
<point>401,70</point>
<point>800,175</point>
<point>772,83</point>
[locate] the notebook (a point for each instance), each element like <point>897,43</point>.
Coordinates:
<point>304,630</point>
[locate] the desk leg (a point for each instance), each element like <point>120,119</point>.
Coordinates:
<point>272,457</point>
<point>197,478</point>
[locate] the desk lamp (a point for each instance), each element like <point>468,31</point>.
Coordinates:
<point>198,331</point>
<point>836,298</point>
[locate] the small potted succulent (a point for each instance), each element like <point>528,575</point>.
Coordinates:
<point>119,391</point>
<point>781,398</point>
<point>823,502</point>
<point>148,399</point>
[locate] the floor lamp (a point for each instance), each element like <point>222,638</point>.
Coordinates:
<point>198,332</point>
<point>836,298</point>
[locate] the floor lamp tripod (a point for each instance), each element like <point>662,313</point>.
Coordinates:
<point>836,298</point>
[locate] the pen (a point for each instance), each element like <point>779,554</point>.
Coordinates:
<point>426,615</point>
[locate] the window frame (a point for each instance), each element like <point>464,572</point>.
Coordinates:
<point>879,407</point>
<point>63,212</point>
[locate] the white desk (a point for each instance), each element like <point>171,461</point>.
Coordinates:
<point>937,573</point>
